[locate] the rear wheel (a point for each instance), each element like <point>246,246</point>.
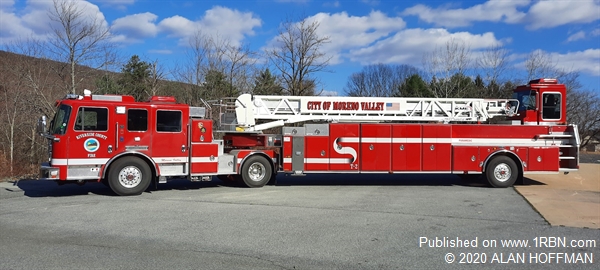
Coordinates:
<point>502,172</point>
<point>256,171</point>
<point>129,176</point>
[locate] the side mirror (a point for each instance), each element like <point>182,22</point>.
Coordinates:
<point>41,125</point>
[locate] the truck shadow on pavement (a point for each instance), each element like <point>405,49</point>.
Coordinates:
<point>33,188</point>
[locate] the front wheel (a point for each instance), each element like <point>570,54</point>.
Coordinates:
<point>502,172</point>
<point>256,171</point>
<point>129,176</point>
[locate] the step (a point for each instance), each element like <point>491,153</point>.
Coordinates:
<point>554,136</point>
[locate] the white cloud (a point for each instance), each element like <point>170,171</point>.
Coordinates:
<point>7,3</point>
<point>33,20</point>
<point>595,32</point>
<point>587,61</point>
<point>548,14</point>
<point>161,51</point>
<point>137,26</point>
<point>348,32</point>
<point>577,36</point>
<point>493,10</point>
<point>226,23</point>
<point>541,14</point>
<point>409,46</point>
<point>326,93</point>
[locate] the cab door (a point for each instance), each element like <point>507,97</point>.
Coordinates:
<point>133,129</point>
<point>170,140</point>
<point>91,143</point>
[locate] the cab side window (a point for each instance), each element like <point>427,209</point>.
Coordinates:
<point>168,121</point>
<point>92,119</point>
<point>551,106</point>
<point>137,120</point>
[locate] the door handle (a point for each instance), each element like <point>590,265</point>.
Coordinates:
<point>182,148</point>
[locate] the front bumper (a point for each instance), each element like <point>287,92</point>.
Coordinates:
<point>48,172</point>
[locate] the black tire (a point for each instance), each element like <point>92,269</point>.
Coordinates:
<point>256,171</point>
<point>502,172</point>
<point>129,176</point>
<point>273,180</point>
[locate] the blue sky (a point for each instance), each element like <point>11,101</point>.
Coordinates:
<point>362,32</point>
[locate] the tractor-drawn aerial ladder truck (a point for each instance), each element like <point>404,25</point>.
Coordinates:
<point>130,145</point>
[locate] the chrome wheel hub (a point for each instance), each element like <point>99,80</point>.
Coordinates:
<point>257,172</point>
<point>130,177</point>
<point>502,172</point>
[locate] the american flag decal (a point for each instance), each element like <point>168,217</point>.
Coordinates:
<point>392,106</point>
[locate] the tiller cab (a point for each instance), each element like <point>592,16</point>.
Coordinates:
<point>130,145</point>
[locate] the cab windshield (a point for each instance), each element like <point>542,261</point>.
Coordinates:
<point>526,100</point>
<point>58,126</point>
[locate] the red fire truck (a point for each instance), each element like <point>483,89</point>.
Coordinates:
<point>129,145</point>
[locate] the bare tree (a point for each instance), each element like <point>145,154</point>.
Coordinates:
<point>540,64</point>
<point>10,97</point>
<point>583,109</point>
<point>493,63</point>
<point>378,80</point>
<point>79,39</point>
<point>157,76</point>
<point>30,85</point>
<point>208,56</point>
<point>444,63</point>
<point>240,65</point>
<point>298,55</point>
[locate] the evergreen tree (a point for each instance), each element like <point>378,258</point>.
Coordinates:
<point>414,86</point>
<point>266,84</point>
<point>106,85</point>
<point>217,86</point>
<point>136,74</point>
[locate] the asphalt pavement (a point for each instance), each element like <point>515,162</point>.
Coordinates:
<point>324,221</point>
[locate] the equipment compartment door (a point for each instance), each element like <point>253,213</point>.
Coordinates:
<point>205,158</point>
<point>466,158</point>
<point>437,147</point>
<point>543,159</point>
<point>406,148</point>
<point>343,147</point>
<point>316,153</point>
<point>375,147</point>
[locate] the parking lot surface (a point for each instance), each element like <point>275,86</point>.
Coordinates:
<point>315,222</point>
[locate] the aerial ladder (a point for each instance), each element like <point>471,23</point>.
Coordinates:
<point>254,113</point>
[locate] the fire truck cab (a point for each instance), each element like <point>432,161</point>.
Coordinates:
<point>542,102</point>
<point>125,143</point>
<point>130,145</point>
